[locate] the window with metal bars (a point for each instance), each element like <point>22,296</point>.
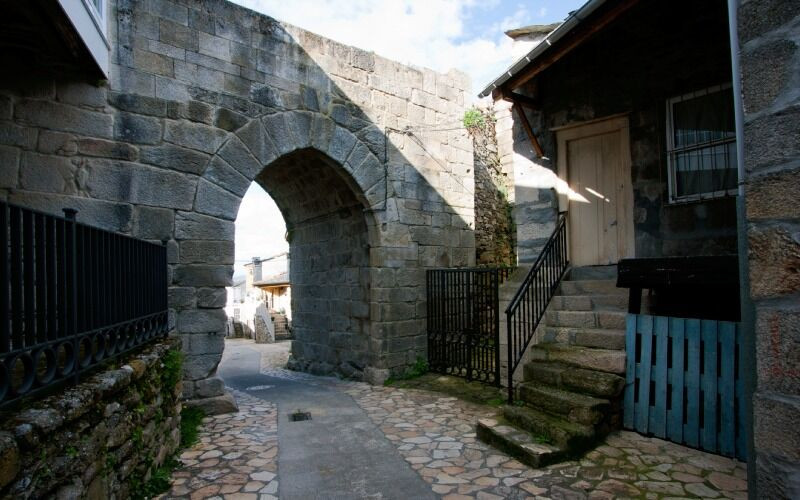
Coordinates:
<point>701,145</point>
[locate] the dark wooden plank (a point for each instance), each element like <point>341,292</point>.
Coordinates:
<point>659,411</point>
<point>630,370</point>
<point>709,431</point>
<point>675,415</point>
<point>645,328</point>
<point>691,432</point>
<point>727,431</point>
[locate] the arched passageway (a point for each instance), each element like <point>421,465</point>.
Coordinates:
<point>327,230</point>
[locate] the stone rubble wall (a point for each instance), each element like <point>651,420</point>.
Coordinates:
<point>494,230</point>
<point>100,439</point>
<point>203,97</point>
<point>769,37</point>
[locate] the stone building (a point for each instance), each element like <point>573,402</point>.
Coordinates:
<point>199,99</point>
<point>621,82</point>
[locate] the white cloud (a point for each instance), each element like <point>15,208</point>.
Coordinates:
<point>430,33</point>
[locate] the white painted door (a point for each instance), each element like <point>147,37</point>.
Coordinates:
<point>597,167</point>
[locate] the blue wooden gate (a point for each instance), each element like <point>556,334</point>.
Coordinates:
<point>683,382</point>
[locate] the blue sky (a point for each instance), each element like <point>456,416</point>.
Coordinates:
<point>438,34</point>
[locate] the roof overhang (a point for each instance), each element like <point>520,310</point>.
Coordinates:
<point>579,26</point>
<point>53,37</point>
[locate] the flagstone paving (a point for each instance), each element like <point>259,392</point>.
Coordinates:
<point>237,457</point>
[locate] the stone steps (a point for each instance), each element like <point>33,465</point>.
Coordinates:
<point>591,287</point>
<point>571,395</point>
<point>604,360</point>
<point>518,443</point>
<point>614,302</point>
<point>559,432</point>
<point>614,320</point>
<point>573,406</point>
<point>586,337</point>
<point>561,376</point>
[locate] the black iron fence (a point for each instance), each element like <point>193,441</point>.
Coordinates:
<point>464,322</point>
<point>72,296</point>
<point>530,302</point>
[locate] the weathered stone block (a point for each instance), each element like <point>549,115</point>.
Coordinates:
<point>181,297</point>
<point>175,158</point>
<point>772,416</point>
<point>106,149</point>
<point>110,216</point>
<point>777,348</point>
<point>773,139</point>
<point>203,275</point>
<point>209,388</point>
<point>14,135</point>
<point>137,129</point>
<point>213,200</point>
<point>202,321</point>
<point>142,105</point>
<point>772,62</point>
<point>214,406</point>
<point>774,196</point>
<point>189,225</point>
<point>222,174</point>
<point>774,259</point>
<point>134,183</point>
<point>81,94</point>
<point>9,459</point>
<point>178,35</point>
<point>152,223</point>
<point>53,174</point>
<point>211,297</point>
<point>56,116</point>
<point>211,252</point>
<point>194,135</point>
<point>9,167</point>
<point>758,17</point>
<point>240,157</point>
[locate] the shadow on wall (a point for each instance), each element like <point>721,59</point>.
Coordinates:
<point>206,97</point>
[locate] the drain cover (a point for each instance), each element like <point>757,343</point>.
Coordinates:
<point>299,416</point>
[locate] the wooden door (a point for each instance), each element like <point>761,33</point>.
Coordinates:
<point>594,159</point>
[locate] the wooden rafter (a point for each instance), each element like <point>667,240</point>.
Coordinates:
<point>528,130</point>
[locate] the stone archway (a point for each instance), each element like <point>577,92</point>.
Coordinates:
<point>329,186</point>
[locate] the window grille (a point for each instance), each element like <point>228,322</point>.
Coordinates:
<point>701,145</point>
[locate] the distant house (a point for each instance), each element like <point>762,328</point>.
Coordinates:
<point>270,277</point>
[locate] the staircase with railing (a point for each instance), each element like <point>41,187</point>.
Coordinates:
<point>529,304</point>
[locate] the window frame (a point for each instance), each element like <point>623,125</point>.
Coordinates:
<point>673,197</point>
<point>98,16</point>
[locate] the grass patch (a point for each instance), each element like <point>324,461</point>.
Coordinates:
<point>473,118</point>
<point>173,368</point>
<point>158,483</point>
<point>191,418</point>
<point>418,369</point>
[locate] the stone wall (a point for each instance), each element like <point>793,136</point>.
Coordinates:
<point>100,439</point>
<point>205,97</point>
<point>652,53</point>
<point>494,231</point>
<point>769,35</point>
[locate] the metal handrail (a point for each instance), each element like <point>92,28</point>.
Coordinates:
<point>529,304</point>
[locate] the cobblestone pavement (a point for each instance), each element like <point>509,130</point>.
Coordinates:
<point>235,458</point>
<point>435,434</point>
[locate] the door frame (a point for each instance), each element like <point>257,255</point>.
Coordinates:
<point>583,130</point>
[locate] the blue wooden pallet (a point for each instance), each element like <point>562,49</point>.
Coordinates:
<point>682,382</point>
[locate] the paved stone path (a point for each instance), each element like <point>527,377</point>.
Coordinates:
<point>386,433</point>
<point>235,457</point>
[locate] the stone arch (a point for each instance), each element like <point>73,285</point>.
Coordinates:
<point>329,186</point>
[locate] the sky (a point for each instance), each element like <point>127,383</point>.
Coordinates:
<point>438,34</point>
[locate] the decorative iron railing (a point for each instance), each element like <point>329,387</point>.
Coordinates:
<point>464,322</point>
<point>530,302</point>
<point>71,296</point>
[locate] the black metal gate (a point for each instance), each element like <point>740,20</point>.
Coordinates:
<point>464,322</point>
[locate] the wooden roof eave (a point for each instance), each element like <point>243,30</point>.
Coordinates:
<point>580,34</point>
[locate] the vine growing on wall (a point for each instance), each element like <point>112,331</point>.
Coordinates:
<point>494,226</point>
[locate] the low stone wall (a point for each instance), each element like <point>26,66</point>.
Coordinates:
<point>100,439</point>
